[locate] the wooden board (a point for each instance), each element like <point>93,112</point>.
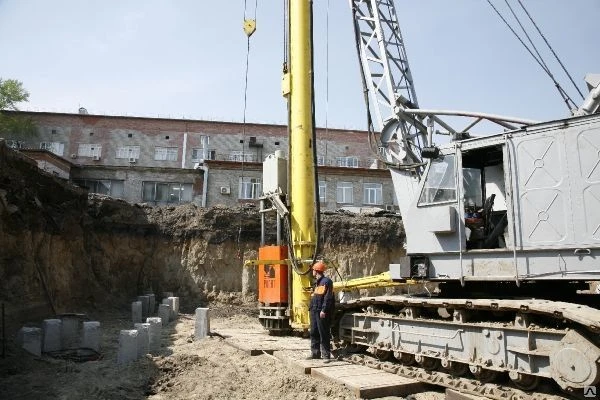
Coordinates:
<point>254,342</point>
<point>296,361</point>
<point>369,383</point>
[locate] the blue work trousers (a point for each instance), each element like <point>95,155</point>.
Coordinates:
<point>320,334</point>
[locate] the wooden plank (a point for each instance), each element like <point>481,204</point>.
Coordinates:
<point>258,342</point>
<point>296,360</point>
<point>369,383</point>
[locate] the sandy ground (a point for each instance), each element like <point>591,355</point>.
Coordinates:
<point>185,369</point>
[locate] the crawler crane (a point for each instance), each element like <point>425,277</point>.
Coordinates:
<point>507,225</point>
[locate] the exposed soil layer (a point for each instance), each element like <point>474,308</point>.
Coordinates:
<point>66,251</point>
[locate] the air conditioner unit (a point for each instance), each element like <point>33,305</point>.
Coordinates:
<point>225,190</point>
<point>132,160</point>
<point>73,155</point>
<point>96,158</point>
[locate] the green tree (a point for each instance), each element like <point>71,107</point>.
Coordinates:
<point>14,125</point>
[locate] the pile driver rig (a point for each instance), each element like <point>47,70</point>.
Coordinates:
<point>506,224</point>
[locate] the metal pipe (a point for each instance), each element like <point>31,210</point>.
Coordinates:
<point>278,219</point>
<point>499,119</point>
<point>262,223</point>
<point>302,193</point>
<point>511,198</point>
<point>204,168</point>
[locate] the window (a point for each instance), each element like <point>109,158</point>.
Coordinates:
<point>240,156</point>
<point>373,193</point>
<point>128,152</point>
<point>54,147</point>
<point>250,188</point>
<point>16,144</point>
<point>89,150</point>
<point>322,191</point>
<point>472,187</point>
<point>113,188</point>
<point>347,162</point>
<point>321,160</point>
<point>344,193</point>
<point>440,183</point>
<point>198,154</point>
<point>165,153</point>
<point>166,192</point>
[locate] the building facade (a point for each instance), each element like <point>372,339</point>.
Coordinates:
<point>169,161</point>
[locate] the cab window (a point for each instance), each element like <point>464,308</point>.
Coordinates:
<point>440,182</point>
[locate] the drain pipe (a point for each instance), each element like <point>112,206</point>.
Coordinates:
<point>204,168</point>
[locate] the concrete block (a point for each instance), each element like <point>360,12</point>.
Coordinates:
<point>202,323</point>
<point>174,303</point>
<point>92,335</point>
<point>127,346</point>
<point>164,312</point>
<point>30,339</point>
<point>151,303</point>
<point>136,312</point>
<point>145,307</point>
<point>70,332</point>
<point>51,329</point>
<point>154,334</point>
<point>143,344</point>
<point>166,295</point>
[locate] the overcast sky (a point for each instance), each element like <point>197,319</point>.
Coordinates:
<point>186,58</point>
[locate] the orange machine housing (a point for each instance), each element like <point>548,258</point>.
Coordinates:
<point>273,278</point>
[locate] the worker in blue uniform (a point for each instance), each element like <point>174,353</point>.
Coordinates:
<point>322,306</point>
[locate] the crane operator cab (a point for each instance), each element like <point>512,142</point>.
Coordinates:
<point>482,200</point>
<point>500,207</point>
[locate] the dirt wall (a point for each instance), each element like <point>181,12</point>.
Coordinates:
<point>64,251</point>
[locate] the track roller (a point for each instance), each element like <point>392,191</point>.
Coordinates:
<point>455,368</point>
<point>482,374</point>
<point>382,355</point>
<point>428,363</point>
<point>405,358</point>
<point>524,381</point>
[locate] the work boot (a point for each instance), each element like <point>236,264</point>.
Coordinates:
<point>313,357</point>
<point>326,359</point>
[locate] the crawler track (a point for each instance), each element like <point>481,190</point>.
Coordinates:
<point>529,343</point>
<point>462,385</point>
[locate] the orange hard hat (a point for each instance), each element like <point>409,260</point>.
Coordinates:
<point>319,266</point>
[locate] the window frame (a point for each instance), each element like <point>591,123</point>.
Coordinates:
<point>377,189</point>
<point>110,184</point>
<point>157,189</point>
<point>449,171</point>
<point>162,153</point>
<point>255,188</point>
<point>132,151</point>
<point>242,156</point>
<point>323,194</point>
<point>347,162</point>
<point>89,150</point>
<point>344,186</point>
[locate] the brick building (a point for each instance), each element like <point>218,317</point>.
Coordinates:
<point>164,161</point>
